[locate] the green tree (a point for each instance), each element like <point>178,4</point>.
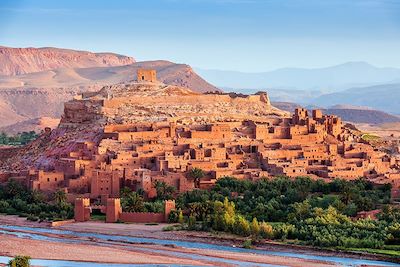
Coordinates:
<point>132,202</point>
<point>266,230</point>
<point>20,261</point>
<point>255,227</point>
<point>15,189</point>
<point>164,191</point>
<point>4,205</point>
<point>37,196</point>
<point>241,226</point>
<point>196,174</point>
<point>60,197</point>
<point>157,206</point>
<point>3,139</point>
<point>229,213</point>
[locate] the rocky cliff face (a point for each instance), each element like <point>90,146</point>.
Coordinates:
<point>16,61</point>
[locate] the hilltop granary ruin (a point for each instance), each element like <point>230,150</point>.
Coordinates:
<point>152,132</point>
<point>146,75</point>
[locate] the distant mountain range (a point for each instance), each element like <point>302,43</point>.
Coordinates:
<point>354,83</point>
<point>330,79</point>
<point>354,114</point>
<point>384,97</point>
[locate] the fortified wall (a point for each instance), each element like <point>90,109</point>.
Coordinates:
<point>113,211</point>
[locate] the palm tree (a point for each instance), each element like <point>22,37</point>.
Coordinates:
<point>164,191</point>
<point>37,196</point>
<point>132,202</point>
<point>196,174</point>
<point>60,196</point>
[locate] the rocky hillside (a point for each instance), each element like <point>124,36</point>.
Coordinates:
<point>85,117</point>
<point>37,125</point>
<point>42,94</point>
<point>81,79</point>
<point>16,61</point>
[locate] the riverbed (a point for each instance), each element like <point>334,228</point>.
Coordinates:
<point>98,244</point>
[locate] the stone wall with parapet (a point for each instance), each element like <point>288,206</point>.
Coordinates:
<point>142,217</point>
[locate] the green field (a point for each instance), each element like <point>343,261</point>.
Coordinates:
<point>370,137</point>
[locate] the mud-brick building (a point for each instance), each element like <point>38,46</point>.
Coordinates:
<point>146,75</point>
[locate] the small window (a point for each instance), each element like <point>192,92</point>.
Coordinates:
<point>142,77</point>
<point>48,179</point>
<point>55,179</point>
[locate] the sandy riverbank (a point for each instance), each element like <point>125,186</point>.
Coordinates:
<point>11,246</point>
<point>91,249</point>
<point>155,231</point>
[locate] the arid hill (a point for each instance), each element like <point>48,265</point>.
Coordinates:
<point>16,61</point>
<point>42,94</point>
<point>37,125</point>
<point>83,79</point>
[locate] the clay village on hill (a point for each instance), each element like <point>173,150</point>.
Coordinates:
<point>134,134</point>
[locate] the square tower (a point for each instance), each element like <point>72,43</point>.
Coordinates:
<point>317,114</point>
<point>146,75</point>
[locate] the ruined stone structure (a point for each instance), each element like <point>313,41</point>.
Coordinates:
<point>155,132</point>
<point>146,75</point>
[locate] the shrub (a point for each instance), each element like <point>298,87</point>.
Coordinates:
<point>32,218</point>
<point>157,206</point>
<point>241,226</point>
<point>247,244</point>
<point>173,216</point>
<point>255,227</point>
<point>181,219</point>
<point>191,222</point>
<point>4,206</point>
<point>168,228</point>
<point>266,230</point>
<point>282,231</point>
<point>20,261</point>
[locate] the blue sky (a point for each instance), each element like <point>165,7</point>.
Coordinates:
<point>244,35</point>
